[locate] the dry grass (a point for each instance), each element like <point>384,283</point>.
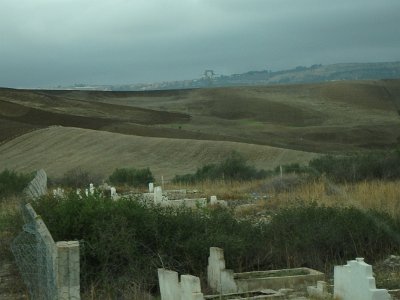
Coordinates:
<point>10,224</point>
<point>133,291</point>
<point>11,285</point>
<point>275,193</point>
<point>230,190</point>
<point>377,195</point>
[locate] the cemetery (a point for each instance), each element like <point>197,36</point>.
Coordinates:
<point>353,281</point>
<point>58,262</point>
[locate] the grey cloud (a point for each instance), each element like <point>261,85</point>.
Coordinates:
<point>50,42</point>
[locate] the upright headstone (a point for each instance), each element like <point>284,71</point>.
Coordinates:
<point>157,195</point>
<point>151,187</point>
<point>215,201</point>
<point>91,188</point>
<point>171,289</point>
<point>356,281</point>
<point>113,193</point>
<point>168,282</point>
<point>219,278</point>
<point>190,288</point>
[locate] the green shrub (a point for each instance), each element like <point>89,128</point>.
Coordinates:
<point>361,166</point>
<point>131,176</point>
<point>125,241</point>
<point>13,183</point>
<point>292,168</point>
<point>234,167</point>
<point>319,237</point>
<point>76,178</point>
<point>354,167</point>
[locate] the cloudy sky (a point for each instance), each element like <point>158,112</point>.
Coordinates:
<point>45,43</point>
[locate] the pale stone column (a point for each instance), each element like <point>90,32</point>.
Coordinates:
<point>67,276</point>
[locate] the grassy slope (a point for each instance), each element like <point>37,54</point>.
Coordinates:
<point>59,149</point>
<point>330,117</point>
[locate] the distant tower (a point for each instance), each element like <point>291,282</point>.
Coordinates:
<point>209,76</point>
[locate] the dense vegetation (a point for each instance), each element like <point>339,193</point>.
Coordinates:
<point>131,176</point>
<point>383,165</point>
<point>75,178</point>
<point>354,167</point>
<point>126,241</point>
<point>13,183</point>
<point>234,167</point>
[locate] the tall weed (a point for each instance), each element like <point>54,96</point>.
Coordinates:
<point>13,183</point>
<point>132,177</point>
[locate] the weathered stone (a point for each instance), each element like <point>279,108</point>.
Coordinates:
<point>355,281</point>
<point>171,289</point>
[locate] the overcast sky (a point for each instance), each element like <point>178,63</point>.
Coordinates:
<point>45,43</point>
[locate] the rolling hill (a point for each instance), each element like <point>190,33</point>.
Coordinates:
<point>175,131</point>
<point>60,149</point>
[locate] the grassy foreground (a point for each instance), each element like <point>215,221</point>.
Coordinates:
<point>314,224</point>
<point>288,222</point>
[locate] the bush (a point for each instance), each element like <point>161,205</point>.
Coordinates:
<point>76,178</point>
<point>13,183</point>
<point>292,168</point>
<point>234,167</point>
<point>125,241</point>
<point>357,167</point>
<point>131,176</point>
<point>319,237</point>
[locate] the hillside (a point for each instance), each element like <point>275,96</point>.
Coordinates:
<point>174,132</point>
<point>60,149</point>
<point>330,117</point>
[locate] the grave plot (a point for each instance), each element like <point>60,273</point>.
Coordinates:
<point>174,198</point>
<point>187,287</point>
<point>223,280</point>
<point>353,281</point>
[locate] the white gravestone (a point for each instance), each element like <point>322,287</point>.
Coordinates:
<point>151,187</point>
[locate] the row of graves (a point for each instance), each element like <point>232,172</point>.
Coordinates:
<point>155,195</point>
<point>353,281</point>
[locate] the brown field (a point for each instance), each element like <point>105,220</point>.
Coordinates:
<point>60,149</point>
<point>171,131</point>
